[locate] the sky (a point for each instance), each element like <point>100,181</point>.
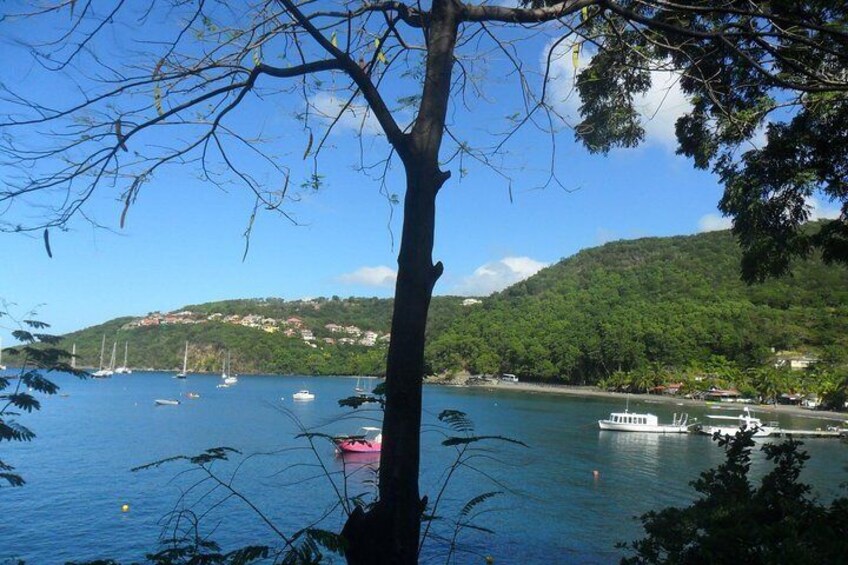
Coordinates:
<point>183,239</point>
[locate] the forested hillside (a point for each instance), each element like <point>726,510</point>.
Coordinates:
<point>655,302</point>
<point>668,302</point>
<point>269,335</point>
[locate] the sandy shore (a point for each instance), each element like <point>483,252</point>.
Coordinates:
<point>590,391</point>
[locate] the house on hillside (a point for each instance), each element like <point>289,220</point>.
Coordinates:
<point>794,360</point>
<point>669,389</point>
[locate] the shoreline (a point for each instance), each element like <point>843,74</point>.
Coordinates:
<point>593,392</point>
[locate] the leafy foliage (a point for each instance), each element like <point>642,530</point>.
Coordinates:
<point>256,351</point>
<point>736,522</point>
<point>652,305</point>
<point>747,68</point>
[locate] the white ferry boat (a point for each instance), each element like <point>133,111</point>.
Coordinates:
<point>649,423</point>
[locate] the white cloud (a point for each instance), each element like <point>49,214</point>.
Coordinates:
<point>714,222</point>
<point>659,107</point>
<point>356,117</point>
<point>497,275</point>
<point>370,276</point>
<point>820,210</point>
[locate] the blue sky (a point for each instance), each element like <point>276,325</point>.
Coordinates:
<point>183,242</point>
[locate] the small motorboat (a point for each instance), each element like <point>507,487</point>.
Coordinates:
<point>370,441</point>
<point>193,395</point>
<point>744,421</point>
<point>303,395</point>
<point>166,402</point>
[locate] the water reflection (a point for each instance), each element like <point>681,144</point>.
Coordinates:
<point>640,453</point>
<point>360,469</point>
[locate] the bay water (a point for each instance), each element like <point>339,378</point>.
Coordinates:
<point>83,502</point>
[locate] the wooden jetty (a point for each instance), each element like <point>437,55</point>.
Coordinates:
<point>818,433</point>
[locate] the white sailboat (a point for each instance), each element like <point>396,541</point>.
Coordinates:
<point>2,366</point>
<point>184,373</point>
<point>74,357</point>
<point>101,372</point>
<point>124,369</point>
<point>225,373</point>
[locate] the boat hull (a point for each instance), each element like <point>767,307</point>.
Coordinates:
<point>762,431</point>
<point>358,446</point>
<point>163,402</point>
<point>644,428</point>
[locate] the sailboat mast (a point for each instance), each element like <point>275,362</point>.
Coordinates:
<point>126,348</point>
<point>102,348</point>
<point>114,351</point>
<point>185,358</point>
<point>74,357</point>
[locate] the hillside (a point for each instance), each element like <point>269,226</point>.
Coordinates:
<point>267,335</point>
<point>665,301</point>
<point>669,302</point>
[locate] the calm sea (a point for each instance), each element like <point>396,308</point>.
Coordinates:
<point>550,508</point>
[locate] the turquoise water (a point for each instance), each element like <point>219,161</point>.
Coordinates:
<point>550,510</point>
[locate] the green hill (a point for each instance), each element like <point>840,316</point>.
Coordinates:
<point>268,335</point>
<point>626,305</point>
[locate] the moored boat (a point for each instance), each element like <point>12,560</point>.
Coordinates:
<point>303,395</point>
<point>371,441</point>
<point>184,373</point>
<point>649,423</point>
<point>102,372</point>
<point>124,369</point>
<point>166,402</point>
<point>744,421</point>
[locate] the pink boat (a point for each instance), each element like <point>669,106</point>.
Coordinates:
<point>368,442</point>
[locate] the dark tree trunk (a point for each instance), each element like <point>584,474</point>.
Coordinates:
<point>389,532</point>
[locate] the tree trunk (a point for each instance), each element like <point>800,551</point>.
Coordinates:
<point>389,532</point>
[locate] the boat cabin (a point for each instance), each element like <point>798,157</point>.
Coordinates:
<point>509,377</point>
<point>637,419</point>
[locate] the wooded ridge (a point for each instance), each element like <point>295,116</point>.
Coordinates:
<point>626,305</point>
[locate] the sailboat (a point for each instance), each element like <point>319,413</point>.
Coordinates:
<point>367,389</point>
<point>184,373</point>
<point>2,366</point>
<point>101,372</point>
<point>74,357</point>
<point>228,379</point>
<point>124,369</point>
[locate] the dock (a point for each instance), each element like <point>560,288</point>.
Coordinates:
<point>810,433</point>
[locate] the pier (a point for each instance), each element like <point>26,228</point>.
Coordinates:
<point>810,433</point>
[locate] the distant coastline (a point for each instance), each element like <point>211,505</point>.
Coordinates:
<point>492,385</point>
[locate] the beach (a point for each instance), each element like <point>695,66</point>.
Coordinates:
<point>591,391</point>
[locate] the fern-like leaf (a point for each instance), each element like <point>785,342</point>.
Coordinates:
<point>474,439</point>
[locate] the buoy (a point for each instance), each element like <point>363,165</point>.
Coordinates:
<point>125,508</point>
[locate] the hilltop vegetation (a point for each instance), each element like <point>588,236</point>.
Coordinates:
<point>158,339</point>
<point>667,302</point>
<point>626,306</point>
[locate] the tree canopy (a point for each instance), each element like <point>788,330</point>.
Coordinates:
<point>149,86</point>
